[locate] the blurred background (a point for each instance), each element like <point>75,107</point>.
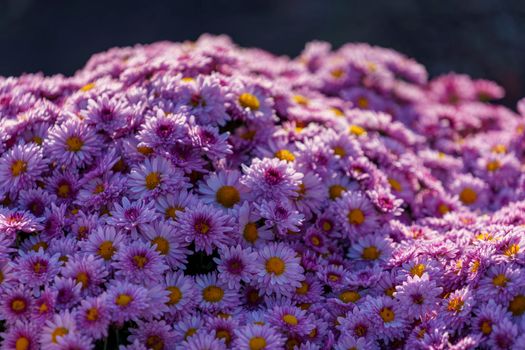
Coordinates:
<point>483,38</point>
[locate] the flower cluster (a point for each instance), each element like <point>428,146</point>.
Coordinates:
<point>203,196</point>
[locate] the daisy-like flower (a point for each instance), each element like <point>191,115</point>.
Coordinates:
<point>104,242</point>
<point>163,130</point>
<point>14,221</point>
<point>388,314</point>
<point>153,335</point>
<point>21,167</point>
<point>153,177</point>
<point>215,294</point>
<point>271,179</point>
<point>258,337</point>
<point>44,306</point>
<point>206,227</point>
<point>222,189</point>
<point>183,294</point>
<point>311,195</point>
<point>87,270</point>
<point>202,341</point>
<point>171,204</point>
<point>210,141</point>
<point>457,307</point>
<point>35,200</point>
<point>279,270</point>
<point>140,263</point>
<point>129,215</point>
<point>68,292</point>
<point>188,327</point>
<point>204,98</point>
<point>356,214</point>
<point>290,320</point>
<point>59,326</point>
<point>126,301</point>
<point>236,264</point>
<point>253,102</point>
<point>72,143</point>
<point>499,284</point>
<point>168,242</point>
<point>371,249</point>
<point>16,305</point>
<point>251,234</point>
<point>21,335</point>
<point>35,269</point>
<point>418,295</point>
<point>487,315</point>
<point>280,216</point>
<point>93,316</point>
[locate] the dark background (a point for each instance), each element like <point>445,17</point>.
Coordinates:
<point>484,38</point>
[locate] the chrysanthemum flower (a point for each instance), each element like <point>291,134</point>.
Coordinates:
<point>356,214</point>
<point>61,325</point>
<point>154,177</point>
<point>222,189</point>
<point>163,129</point>
<point>168,241</point>
<point>129,215</point>
<point>258,337</point>
<point>104,242</point>
<point>35,269</point>
<point>126,301</point>
<point>87,270</point>
<point>140,263</point>
<point>236,264</point>
<point>153,335</point>
<point>206,227</point>
<point>279,270</point>
<point>21,335</point>
<point>215,294</point>
<point>21,167</point>
<point>418,295</point>
<point>72,143</point>
<point>16,305</point>
<point>94,316</point>
<point>183,294</point>
<point>271,179</point>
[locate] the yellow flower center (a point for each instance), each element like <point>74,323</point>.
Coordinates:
<point>202,228</point>
<point>250,232</point>
<point>36,247</point>
<point>371,253</point>
<point>163,246</point>
<point>336,191</point>
<point>395,185</point>
<point>106,250</point>
<point>175,295</point>
<point>493,165</point>
<point>22,343</point>
<point>301,100</point>
<point>349,296</point>
<point>362,102</point>
<point>87,87</point>
<point>486,327</point>
<point>356,216</point>
<point>189,333</point>
<point>500,280</point>
<point>145,150</point>
<point>512,250</point>
<point>140,261</point>
<point>315,241</point>
<point>92,314</point>
<point>517,305</point>
<point>390,291</point>
<point>63,190</point>
<point>58,332</point>
<point>18,305</point>
<point>290,319</point>
<point>154,342</point>
<point>99,188</point>
<point>340,151</point>
<point>468,196</point>
<point>337,73</point>
<point>212,294</point>
<point>327,226</point>
<point>152,180</point>
<point>83,279</point>
<point>417,270</point>
<point>123,299</point>
<point>171,212</point>
<point>275,265</point>
<point>228,196</point>
<point>356,130</point>
<point>284,154</point>
<point>43,308</point>
<point>455,304</point>
<point>38,267</point>
<point>18,167</point>
<point>257,343</point>
<point>303,289</point>
<point>499,149</point>
<point>224,334</point>
<point>387,314</point>
<point>443,209</point>
<point>247,100</point>
<point>337,111</point>
<point>74,144</point>
<point>37,139</point>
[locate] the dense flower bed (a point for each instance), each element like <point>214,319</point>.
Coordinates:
<point>204,196</point>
